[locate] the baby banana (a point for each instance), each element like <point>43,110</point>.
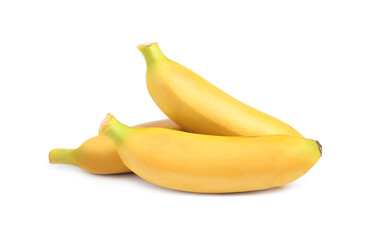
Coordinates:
<point>198,106</point>
<point>211,164</point>
<point>99,154</point>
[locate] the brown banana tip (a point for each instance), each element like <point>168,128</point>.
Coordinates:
<point>319,147</point>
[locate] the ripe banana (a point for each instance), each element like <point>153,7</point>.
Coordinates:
<point>96,155</point>
<point>211,164</point>
<point>198,106</point>
<point>99,154</point>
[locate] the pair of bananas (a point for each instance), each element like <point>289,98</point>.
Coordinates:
<point>212,144</point>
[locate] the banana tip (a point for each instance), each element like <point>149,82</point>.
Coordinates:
<point>145,45</point>
<point>106,121</point>
<point>51,156</point>
<point>319,147</point>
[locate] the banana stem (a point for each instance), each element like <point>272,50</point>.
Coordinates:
<point>113,129</point>
<point>61,156</point>
<point>151,52</point>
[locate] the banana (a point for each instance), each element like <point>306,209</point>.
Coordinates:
<point>96,155</point>
<point>211,164</point>
<point>99,154</point>
<point>198,106</point>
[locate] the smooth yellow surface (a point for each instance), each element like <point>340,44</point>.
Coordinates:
<point>164,123</point>
<point>99,154</point>
<point>198,106</point>
<point>211,164</point>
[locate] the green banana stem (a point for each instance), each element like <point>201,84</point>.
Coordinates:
<point>151,52</point>
<point>62,156</point>
<point>112,128</point>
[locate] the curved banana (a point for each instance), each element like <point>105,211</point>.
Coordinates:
<point>99,154</point>
<point>211,164</point>
<point>198,106</point>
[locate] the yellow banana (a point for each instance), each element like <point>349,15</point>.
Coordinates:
<point>211,164</point>
<point>96,155</point>
<point>99,154</point>
<point>198,106</point>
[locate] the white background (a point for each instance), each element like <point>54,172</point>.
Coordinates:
<point>65,64</point>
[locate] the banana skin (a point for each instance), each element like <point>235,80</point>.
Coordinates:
<point>99,154</point>
<point>211,164</point>
<point>198,106</point>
